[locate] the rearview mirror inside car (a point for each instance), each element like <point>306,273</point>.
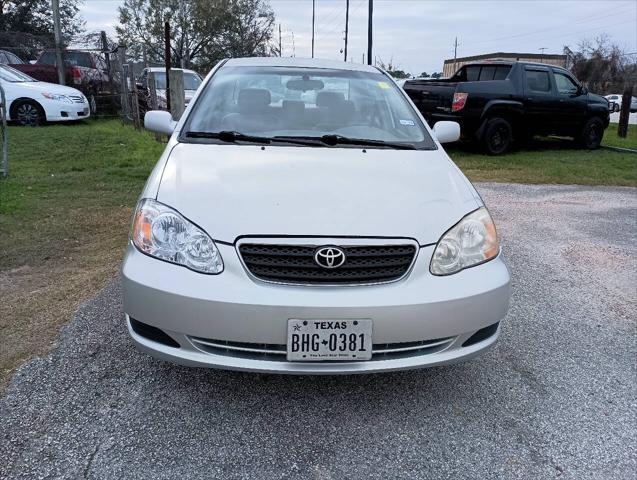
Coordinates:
<point>305,85</point>
<point>447,132</point>
<point>159,121</point>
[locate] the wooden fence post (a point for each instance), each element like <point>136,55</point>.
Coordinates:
<point>134,100</point>
<point>177,94</point>
<point>152,100</point>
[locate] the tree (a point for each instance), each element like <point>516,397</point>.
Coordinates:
<point>603,66</point>
<point>436,75</point>
<point>26,27</point>
<point>392,69</point>
<point>203,32</point>
<point>424,75</point>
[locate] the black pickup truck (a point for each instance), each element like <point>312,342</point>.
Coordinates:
<point>498,102</point>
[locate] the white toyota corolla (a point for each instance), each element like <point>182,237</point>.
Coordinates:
<point>30,102</point>
<point>305,219</point>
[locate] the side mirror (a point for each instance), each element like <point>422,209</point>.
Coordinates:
<point>447,132</point>
<point>159,121</point>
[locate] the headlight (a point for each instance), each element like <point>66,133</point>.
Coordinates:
<point>56,97</point>
<point>161,232</point>
<point>471,241</point>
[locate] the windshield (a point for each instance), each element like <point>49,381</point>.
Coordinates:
<point>307,102</point>
<point>76,59</point>
<point>12,75</point>
<point>191,81</point>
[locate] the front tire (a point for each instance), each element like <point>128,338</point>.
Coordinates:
<point>497,137</point>
<point>591,134</point>
<point>28,113</point>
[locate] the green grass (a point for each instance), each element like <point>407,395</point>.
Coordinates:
<point>612,139</point>
<point>58,171</point>
<point>552,161</point>
<point>64,216</point>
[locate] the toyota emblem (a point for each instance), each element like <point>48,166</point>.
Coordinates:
<point>329,257</point>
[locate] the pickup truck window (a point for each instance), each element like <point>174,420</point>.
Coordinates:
<point>478,73</point>
<point>565,84</point>
<point>538,81</point>
<point>77,59</point>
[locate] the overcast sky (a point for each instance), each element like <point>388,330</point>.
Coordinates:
<point>419,34</point>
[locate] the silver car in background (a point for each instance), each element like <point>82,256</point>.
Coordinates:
<point>305,219</point>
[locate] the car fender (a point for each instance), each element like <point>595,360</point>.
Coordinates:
<point>20,99</point>
<point>499,108</point>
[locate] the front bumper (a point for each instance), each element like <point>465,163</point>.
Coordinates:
<point>234,307</point>
<point>66,112</point>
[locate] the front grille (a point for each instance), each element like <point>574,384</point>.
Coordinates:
<point>295,264</point>
<point>277,352</point>
<point>77,98</point>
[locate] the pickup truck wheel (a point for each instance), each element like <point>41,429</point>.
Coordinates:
<point>28,112</point>
<point>591,135</point>
<point>497,136</point>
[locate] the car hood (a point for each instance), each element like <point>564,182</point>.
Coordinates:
<point>235,190</point>
<point>39,87</point>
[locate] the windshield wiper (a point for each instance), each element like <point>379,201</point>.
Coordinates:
<point>228,136</point>
<point>333,140</point>
<point>232,136</point>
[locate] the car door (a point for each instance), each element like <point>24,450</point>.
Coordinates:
<point>539,98</point>
<point>572,104</point>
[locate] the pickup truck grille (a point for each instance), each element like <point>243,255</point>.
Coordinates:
<point>295,264</point>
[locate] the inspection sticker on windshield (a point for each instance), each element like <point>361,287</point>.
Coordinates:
<point>383,85</point>
<point>319,340</point>
<point>407,122</point>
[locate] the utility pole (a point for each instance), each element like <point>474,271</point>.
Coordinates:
<point>57,31</point>
<point>542,54</point>
<point>370,4</point>
<point>313,14</point>
<point>293,45</point>
<point>622,128</point>
<point>455,54</point>
<point>167,61</point>
<point>346,26</point>
<point>280,49</point>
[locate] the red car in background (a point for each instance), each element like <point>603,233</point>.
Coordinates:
<point>86,71</point>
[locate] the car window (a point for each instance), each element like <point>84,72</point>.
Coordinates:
<point>14,59</point>
<point>10,74</point>
<point>286,101</point>
<point>472,74</point>
<point>76,59</point>
<point>502,72</point>
<point>480,73</point>
<point>487,73</point>
<point>565,84</point>
<point>538,81</point>
<point>3,58</point>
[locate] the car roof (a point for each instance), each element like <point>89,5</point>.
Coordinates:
<point>162,69</point>
<point>299,62</point>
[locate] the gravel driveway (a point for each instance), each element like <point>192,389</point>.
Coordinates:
<point>556,398</point>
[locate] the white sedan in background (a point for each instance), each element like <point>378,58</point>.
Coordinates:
<point>616,100</point>
<point>31,102</point>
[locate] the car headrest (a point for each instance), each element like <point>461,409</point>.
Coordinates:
<point>253,99</point>
<point>329,99</point>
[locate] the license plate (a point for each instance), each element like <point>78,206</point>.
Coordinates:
<point>319,340</point>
